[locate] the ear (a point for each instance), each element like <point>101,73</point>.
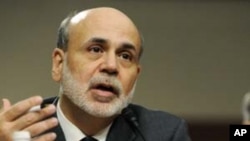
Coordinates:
<point>138,69</point>
<point>57,64</point>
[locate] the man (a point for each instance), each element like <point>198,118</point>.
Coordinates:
<point>246,109</point>
<point>97,65</point>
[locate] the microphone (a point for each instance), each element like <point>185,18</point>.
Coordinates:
<point>130,117</point>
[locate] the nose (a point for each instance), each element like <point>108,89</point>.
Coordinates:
<point>109,65</point>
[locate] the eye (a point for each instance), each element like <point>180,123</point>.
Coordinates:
<point>95,49</point>
<point>126,56</point>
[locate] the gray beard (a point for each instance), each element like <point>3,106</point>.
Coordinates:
<point>77,93</point>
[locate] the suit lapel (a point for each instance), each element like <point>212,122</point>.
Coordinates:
<point>121,131</point>
<point>57,129</point>
<point>60,136</point>
<point>59,133</point>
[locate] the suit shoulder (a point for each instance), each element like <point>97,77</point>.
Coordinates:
<point>155,118</point>
<point>159,125</point>
<point>149,113</point>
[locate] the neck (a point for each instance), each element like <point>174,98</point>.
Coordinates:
<point>88,124</point>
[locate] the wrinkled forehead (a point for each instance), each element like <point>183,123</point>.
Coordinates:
<point>104,18</point>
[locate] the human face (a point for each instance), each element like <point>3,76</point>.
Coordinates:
<point>103,60</point>
<point>76,93</point>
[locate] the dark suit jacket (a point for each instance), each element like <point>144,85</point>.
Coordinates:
<point>153,125</point>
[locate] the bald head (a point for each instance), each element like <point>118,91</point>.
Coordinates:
<point>103,13</point>
<point>104,18</point>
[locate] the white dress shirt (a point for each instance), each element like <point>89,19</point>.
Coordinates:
<point>72,133</point>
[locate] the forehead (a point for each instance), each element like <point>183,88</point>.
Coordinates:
<point>110,25</point>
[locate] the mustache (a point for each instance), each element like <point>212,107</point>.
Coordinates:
<point>109,82</point>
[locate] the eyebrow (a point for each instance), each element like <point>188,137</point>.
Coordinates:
<point>100,40</point>
<point>128,46</point>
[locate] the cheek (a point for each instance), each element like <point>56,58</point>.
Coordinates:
<point>82,71</point>
<point>128,81</point>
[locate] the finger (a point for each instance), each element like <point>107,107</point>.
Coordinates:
<point>22,107</point>
<point>46,137</point>
<point>5,105</point>
<point>33,117</point>
<point>42,126</point>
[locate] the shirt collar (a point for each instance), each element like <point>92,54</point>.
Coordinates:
<point>72,133</point>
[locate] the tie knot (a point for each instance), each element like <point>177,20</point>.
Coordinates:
<point>88,138</point>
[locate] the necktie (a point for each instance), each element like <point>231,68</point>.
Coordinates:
<point>88,138</point>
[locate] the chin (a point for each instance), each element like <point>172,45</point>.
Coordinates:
<point>104,110</point>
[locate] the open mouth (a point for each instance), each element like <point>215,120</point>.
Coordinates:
<point>106,87</point>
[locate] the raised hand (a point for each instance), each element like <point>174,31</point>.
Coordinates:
<point>17,117</point>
